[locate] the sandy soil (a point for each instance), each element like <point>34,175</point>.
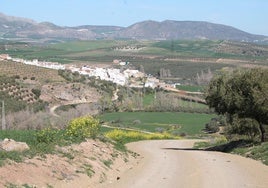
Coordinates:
<point>76,166</point>
<point>172,163</point>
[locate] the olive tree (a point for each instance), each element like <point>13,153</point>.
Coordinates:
<point>241,93</point>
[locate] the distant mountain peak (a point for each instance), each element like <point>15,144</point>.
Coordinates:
<point>14,18</point>
<point>16,28</point>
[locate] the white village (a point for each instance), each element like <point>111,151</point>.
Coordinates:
<point>118,76</point>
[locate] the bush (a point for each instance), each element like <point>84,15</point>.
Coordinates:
<point>47,136</point>
<point>83,127</point>
<point>129,136</point>
<point>244,126</point>
<point>183,134</point>
<point>212,126</point>
<point>37,92</point>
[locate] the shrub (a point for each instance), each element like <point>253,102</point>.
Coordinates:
<point>37,92</point>
<point>212,126</point>
<point>47,135</point>
<point>183,134</point>
<point>129,136</point>
<point>83,127</point>
<point>17,76</point>
<point>244,126</point>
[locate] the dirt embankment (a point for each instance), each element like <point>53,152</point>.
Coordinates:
<point>85,165</point>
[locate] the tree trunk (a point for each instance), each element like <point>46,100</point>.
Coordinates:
<point>262,132</point>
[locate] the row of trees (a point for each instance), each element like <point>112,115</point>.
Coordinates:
<point>242,96</point>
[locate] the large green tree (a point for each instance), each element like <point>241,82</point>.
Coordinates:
<point>241,93</point>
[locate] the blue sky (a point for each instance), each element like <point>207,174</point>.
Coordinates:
<point>248,15</point>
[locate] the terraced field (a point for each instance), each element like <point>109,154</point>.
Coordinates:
<point>29,72</point>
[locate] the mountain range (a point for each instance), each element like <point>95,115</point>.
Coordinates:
<point>23,29</point>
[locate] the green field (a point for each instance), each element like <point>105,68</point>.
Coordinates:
<point>192,88</point>
<point>153,55</point>
<point>80,46</point>
<point>174,122</point>
<point>148,100</point>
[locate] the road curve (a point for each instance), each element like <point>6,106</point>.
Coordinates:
<point>173,164</point>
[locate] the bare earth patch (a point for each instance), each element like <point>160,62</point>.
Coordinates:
<point>88,164</point>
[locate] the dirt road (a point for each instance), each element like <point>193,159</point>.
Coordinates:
<point>172,164</point>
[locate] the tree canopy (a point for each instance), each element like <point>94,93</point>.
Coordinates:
<point>241,93</point>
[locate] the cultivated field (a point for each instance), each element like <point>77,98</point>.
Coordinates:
<point>183,58</point>
<point>29,72</point>
<point>172,122</point>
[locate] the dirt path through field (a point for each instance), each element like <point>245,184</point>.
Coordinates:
<point>172,164</point>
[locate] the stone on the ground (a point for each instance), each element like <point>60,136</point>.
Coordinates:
<point>12,145</point>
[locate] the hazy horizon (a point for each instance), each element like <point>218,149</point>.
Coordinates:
<point>247,15</point>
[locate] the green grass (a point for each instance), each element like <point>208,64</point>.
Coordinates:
<point>191,88</point>
<point>19,135</point>
<point>27,136</point>
<point>188,47</point>
<point>257,152</point>
<point>246,148</point>
<point>30,137</point>
<point>189,123</point>
<point>79,46</point>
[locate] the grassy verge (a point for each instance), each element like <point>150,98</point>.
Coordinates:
<point>246,148</point>
<point>255,151</point>
<point>29,137</point>
<point>44,141</point>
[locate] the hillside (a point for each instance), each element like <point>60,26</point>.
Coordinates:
<point>26,86</point>
<point>28,30</point>
<point>185,30</point>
